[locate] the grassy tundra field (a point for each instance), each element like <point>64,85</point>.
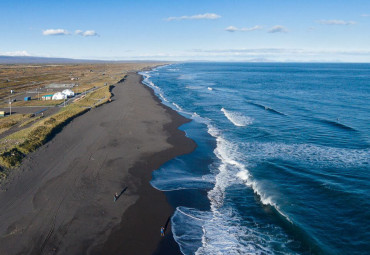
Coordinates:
<point>28,131</point>
<point>21,78</point>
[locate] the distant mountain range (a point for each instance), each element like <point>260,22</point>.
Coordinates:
<point>43,60</point>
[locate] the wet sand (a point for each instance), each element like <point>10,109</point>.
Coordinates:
<point>60,201</point>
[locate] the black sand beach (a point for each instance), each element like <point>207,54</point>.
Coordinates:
<point>60,200</point>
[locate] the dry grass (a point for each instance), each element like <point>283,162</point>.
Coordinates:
<point>33,119</point>
<point>21,78</point>
<point>15,146</point>
<point>96,98</point>
<point>9,121</point>
<point>34,102</point>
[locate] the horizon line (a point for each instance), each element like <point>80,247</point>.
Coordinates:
<point>74,60</point>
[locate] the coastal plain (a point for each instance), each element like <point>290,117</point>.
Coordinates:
<point>60,199</point>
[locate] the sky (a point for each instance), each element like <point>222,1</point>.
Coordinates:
<point>217,30</point>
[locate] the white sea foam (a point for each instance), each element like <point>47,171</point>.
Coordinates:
<point>221,232</point>
<point>177,107</point>
<point>180,181</point>
<point>318,155</point>
<point>209,88</point>
<point>218,231</point>
<point>195,116</point>
<point>157,90</point>
<point>237,119</point>
<point>223,150</point>
<point>227,152</point>
<point>186,225</point>
<point>188,214</point>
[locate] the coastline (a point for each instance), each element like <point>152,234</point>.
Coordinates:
<point>49,205</point>
<point>167,245</point>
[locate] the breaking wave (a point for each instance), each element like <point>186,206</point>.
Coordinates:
<point>237,119</point>
<point>218,231</point>
<point>222,233</point>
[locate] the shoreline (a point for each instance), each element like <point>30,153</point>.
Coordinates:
<point>166,245</point>
<point>51,200</point>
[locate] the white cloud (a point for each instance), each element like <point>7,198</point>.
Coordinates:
<point>20,53</point>
<point>86,33</point>
<point>251,28</point>
<point>243,29</point>
<point>365,15</point>
<point>198,16</point>
<point>278,29</point>
<point>55,32</point>
<point>336,22</point>
<point>65,32</point>
<point>231,29</point>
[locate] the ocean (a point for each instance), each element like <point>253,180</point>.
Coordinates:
<point>282,164</point>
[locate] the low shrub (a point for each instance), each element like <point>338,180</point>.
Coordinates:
<point>11,158</point>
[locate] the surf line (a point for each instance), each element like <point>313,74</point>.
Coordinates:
<point>189,215</point>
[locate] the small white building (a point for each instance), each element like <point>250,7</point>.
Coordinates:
<point>47,97</point>
<point>59,96</point>
<point>68,93</point>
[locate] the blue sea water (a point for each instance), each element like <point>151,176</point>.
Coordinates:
<point>283,158</point>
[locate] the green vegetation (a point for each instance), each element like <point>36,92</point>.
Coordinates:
<point>11,157</point>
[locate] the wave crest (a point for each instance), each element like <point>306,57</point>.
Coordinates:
<point>237,118</point>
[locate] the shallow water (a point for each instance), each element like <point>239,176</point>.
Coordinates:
<point>283,158</point>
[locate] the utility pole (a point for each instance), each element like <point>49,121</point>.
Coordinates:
<point>10,103</point>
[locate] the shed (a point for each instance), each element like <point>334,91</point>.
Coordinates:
<point>27,98</point>
<point>59,96</point>
<point>68,93</point>
<point>47,97</point>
